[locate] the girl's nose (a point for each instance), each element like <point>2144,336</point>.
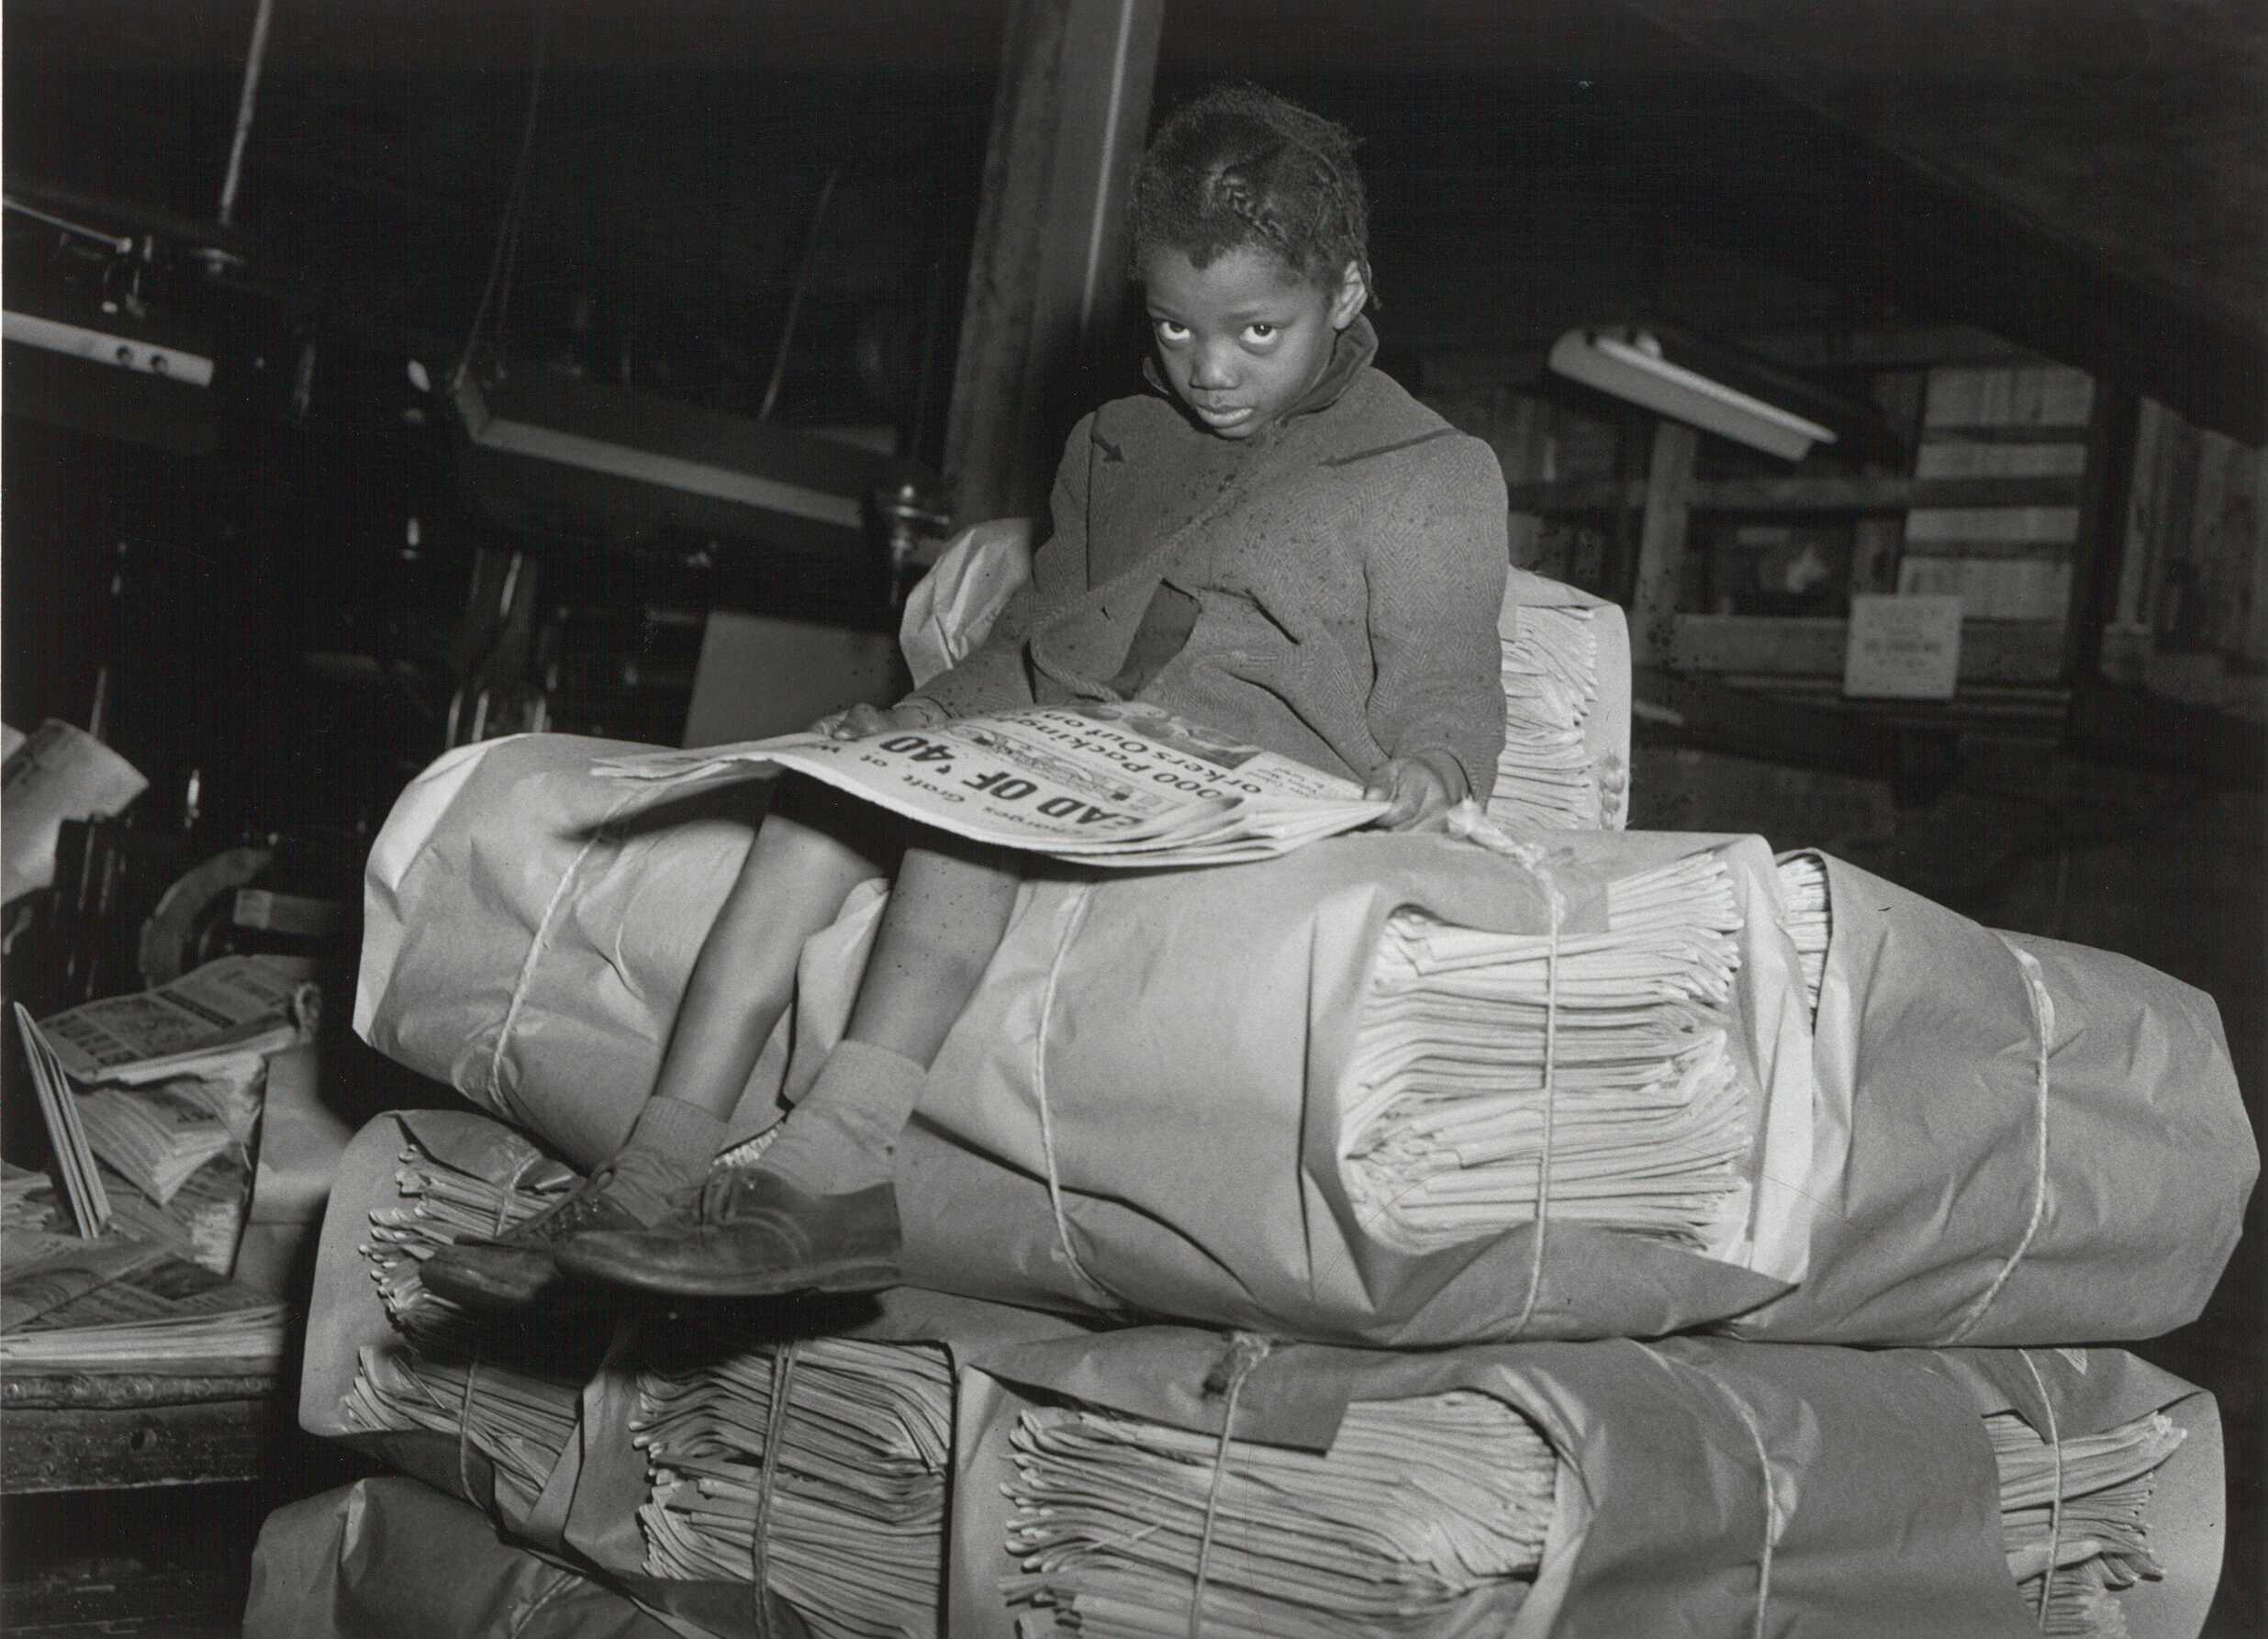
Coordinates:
<point>1213,369</point>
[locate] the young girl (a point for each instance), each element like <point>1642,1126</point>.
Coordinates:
<point>1276,540</point>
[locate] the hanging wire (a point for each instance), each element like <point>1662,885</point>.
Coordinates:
<point>507,231</point>
<point>255,58</point>
<point>795,295</point>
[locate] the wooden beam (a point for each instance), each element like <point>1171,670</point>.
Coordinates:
<point>86,1448</point>
<point>1046,274</point>
<point>1662,542</point>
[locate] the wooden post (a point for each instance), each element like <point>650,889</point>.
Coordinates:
<point>1661,545</point>
<point>2098,555</point>
<point>1046,274</point>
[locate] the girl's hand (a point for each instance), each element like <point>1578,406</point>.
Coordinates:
<point>860,720</point>
<point>1418,789</point>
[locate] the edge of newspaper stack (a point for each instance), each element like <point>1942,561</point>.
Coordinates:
<point>1102,782</point>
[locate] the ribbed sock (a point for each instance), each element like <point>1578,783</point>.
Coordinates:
<point>844,1135</point>
<point>665,1158</point>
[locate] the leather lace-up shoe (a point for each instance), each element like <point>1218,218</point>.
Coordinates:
<point>518,1269</point>
<point>757,1235</point>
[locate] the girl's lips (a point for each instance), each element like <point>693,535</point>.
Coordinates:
<point>1222,418</point>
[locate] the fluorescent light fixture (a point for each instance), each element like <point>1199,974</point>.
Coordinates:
<point>120,353</point>
<point>1629,363</point>
<point>688,476</point>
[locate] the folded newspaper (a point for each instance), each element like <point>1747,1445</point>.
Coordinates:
<point>1108,783</point>
<point>56,773</point>
<point>119,1305</point>
<point>1566,675</point>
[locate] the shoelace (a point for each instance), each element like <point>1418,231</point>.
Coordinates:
<point>582,1205</point>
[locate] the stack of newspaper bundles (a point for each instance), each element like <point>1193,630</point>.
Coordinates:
<point>1451,1092</point>
<point>155,1168</point>
<point>1566,761</point>
<point>1056,1481</point>
<point>680,1459</point>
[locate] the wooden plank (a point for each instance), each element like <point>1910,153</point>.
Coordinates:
<point>115,1390</point>
<point>78,1449</point>
<point>1881,494</point>
<point>1662,542</point>
<point>100,1599</point>
<point>1800,645</point>
<point>1804,495</point>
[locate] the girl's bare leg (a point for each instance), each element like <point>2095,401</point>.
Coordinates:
<point>812,851</point>
<point>809,854</point>
<point>947,913</point>
<point>818,1212</point>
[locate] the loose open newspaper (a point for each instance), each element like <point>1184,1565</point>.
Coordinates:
<point>231,1008</point>
<point>1112,784</point>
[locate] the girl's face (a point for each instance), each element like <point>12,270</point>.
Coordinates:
<point>1242,338</point>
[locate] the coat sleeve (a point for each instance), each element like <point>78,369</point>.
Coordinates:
<point>997,674</point>
<point>1436,575</point>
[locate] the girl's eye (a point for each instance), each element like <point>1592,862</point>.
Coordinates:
<point>1261,332</point>
<point>1169,331</point>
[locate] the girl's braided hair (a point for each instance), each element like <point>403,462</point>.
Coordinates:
<point>1238,166</point>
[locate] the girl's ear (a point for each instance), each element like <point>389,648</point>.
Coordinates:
<point>1353,291</point>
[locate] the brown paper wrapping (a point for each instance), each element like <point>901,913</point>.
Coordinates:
<point>387,1557</point>
<point>1959,1199</point>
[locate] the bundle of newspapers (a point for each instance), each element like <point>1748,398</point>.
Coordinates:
<point>1163,1480</point>
<point>1452,1088</point>
<point>1003,1474</point>
<point>1567,709</point>
<point>681,1460</point>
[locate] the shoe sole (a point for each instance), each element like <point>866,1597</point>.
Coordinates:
<point>851,1274</point>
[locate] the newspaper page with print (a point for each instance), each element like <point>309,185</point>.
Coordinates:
<point>232,1008</point>
<point>1106,784</point>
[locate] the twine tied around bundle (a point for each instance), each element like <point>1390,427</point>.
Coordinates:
<point>1075,920</point>
<point>1470,822</point>
<point>2043,1027</point>
<point>464,1428</point>
<point>1551,1041</point>
<point>2055,1491</point>
<point>1226,1380</point>
<point>767,1480</point>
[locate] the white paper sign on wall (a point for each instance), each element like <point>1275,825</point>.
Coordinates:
<point>1903,647</point>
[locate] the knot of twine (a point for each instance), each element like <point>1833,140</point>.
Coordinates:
<point>1225,1381</point>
